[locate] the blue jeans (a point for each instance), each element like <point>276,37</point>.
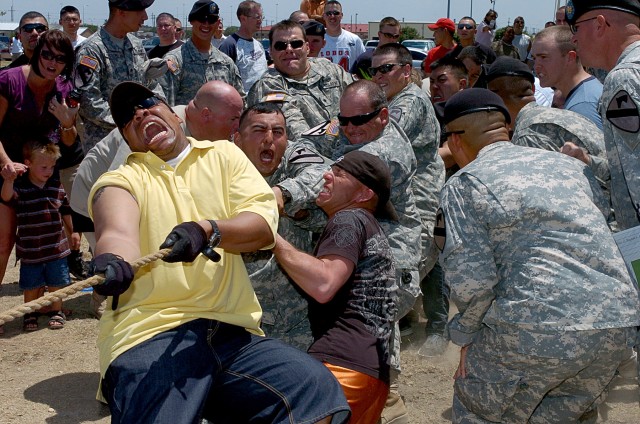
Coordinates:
<point>435,300</point>
<point>208,369</point>
<point>53,273</point>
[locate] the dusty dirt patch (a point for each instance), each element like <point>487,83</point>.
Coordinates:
<point>51,376</point>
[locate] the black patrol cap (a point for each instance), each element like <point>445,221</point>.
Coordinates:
<point>474,100</point>
<point>314,28</point>
<point>134,5</point>
<point>202,9</point>
<point>577,8</point>
<point>505,66</point>
<point>128,96</point>
<point>371,171</point>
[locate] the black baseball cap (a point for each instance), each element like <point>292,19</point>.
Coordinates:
<point>371,171</point>
<point>126,97</point>
<point>577,8</point>
<point>474,100</point>
<point>134,5</point>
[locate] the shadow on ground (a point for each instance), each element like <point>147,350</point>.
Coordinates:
<point>72,396</point>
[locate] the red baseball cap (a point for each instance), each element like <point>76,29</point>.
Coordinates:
<point>446,23</point>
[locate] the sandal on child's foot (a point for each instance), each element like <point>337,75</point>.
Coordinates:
<point>56,320</point>
<point>30,322</point>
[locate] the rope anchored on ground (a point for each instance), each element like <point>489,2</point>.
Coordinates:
<point>49,298</point>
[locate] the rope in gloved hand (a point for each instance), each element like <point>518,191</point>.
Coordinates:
<point>67,291</point>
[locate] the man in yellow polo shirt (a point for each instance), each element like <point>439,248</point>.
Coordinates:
<point>181,341</point>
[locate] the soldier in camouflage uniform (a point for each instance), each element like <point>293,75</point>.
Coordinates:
<point>108,57</point>
<point>546,307</point>
<point>295,172</point>
<point>188,69</point>
<point>308,88</point>
<point>542,127</point>
<point>410,107</point>
<point>610,39</point>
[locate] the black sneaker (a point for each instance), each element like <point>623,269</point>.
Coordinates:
<point>77,267</point>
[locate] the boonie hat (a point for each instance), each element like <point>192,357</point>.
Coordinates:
<point>474,100</point>
<point>312,27</point>
<point>203,8</point>
<point>445,23</point>
<point>371,171</point>
<point>505,66</point>
<point>133,5</point>
<point>577,8</point>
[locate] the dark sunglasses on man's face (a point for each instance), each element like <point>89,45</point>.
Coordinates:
<point>389,35</point>
<point>178,29</point>
<point>358,119</point>
<point>282,45</point>
<point>147,103</point>
<point>383,69</point>
<point>59,58</point>
<point>332,13</point>
<point>30,27</point>
<point>466,26</point>
<point>209,19</point>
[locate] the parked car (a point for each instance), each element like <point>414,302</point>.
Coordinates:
<point>418,57</point>
<point>424,45</point>
<point>371,44</point>
<point>149,43</point>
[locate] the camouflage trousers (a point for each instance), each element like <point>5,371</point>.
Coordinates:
<point>523,377</point>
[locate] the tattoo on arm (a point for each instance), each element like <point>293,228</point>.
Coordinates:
<point>97,195</point>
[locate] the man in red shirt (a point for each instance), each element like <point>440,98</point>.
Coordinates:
<point>443,31</point>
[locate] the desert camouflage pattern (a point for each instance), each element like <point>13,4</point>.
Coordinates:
<point>102,63</point>
<point>413,111</point>
<point>189,70</point>
<point>306,102</point>
<point>620,110</point>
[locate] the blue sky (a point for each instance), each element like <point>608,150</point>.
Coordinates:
<point>535,12</point>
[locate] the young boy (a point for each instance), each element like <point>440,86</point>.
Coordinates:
<point>43,217</point>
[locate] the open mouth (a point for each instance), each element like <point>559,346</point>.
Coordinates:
<point>266,156</point>
<point>153,131</point>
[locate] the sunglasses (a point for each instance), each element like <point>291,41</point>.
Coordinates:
<point>383,69</point>
<point>446,134</point>
<point>466,26</point>
<point>147,103</point>
<point>178,29</point>
<point>38,27</point>
<point>389,35</point>
<point>358,119</point>
<point>209,19</point>
<point>518,22</point>
<point>282,45</point>
<point>59,58</point>
<point>332,13</point>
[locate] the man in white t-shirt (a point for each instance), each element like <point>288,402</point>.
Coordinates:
<point>70,22</point>
<point>521,41</point>
<point>218,34</point>
<point>243,49</point>
<point>343,47</point>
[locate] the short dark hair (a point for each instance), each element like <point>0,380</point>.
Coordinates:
<point>454,64</point>
<point>69,9</point>
<point>403,55</point>
<point>468,18</point>
<point>245,7</point>
<point>58,40</point>
<point>389,21</point>
<point>260,108</point>
<point>336,2</point>
<point>166,15</point>
<point>32,15</point>
<point>286,25</point>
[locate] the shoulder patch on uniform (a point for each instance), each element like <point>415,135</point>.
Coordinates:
<point>439,231</point>
<point>275,97</point>
<point>89,61</point>
<point>304,155</point>
<point>395,113</point>
<point>333,128</point>
<point>623,113</point>
<point>172,66</point>
<point>320,129</point>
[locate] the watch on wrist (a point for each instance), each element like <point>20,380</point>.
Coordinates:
<point>214,241</point>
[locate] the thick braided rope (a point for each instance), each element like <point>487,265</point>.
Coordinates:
<point>65,292</point>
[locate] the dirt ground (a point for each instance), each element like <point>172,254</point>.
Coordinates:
<point>52,376</point>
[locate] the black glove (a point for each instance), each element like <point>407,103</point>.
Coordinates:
<point>118,275</point>
<point>187,240</point>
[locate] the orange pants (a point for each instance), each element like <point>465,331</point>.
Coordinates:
<point>366,395</point>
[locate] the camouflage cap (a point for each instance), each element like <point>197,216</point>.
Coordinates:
<point>133,5</point>
<point>577,8</point>
<point>474,100</point>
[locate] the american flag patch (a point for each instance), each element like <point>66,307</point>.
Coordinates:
<point>275,97</point>
<point>172,66</point>
<point>89,62</point>
<point>333,127</point>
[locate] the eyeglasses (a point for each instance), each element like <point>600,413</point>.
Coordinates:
<point>258,17</point>
<point>59,58</point>
<point>574,27</point>
<point>383,69</point>
<point>30,27</point>
<point>332,13</point>
<point>466,26</point>
<point>282,45</point>
<point>209,19</point>
<point>147,103</point>
<point>358,119</point>
<point>178,29</point>
<point>389,35</point>
<point>165,26</point>
<point>446,134</point>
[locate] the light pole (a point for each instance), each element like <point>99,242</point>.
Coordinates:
<point>276,12</point>
<point>231,15</point>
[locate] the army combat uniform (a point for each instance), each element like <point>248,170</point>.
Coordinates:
<point>189,70</point>
<point>103,62</point>
<point>284,307</point>
<point>307,102</point>
<point>545,302</point>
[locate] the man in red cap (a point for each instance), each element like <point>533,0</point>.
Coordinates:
<point>443,31</point>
